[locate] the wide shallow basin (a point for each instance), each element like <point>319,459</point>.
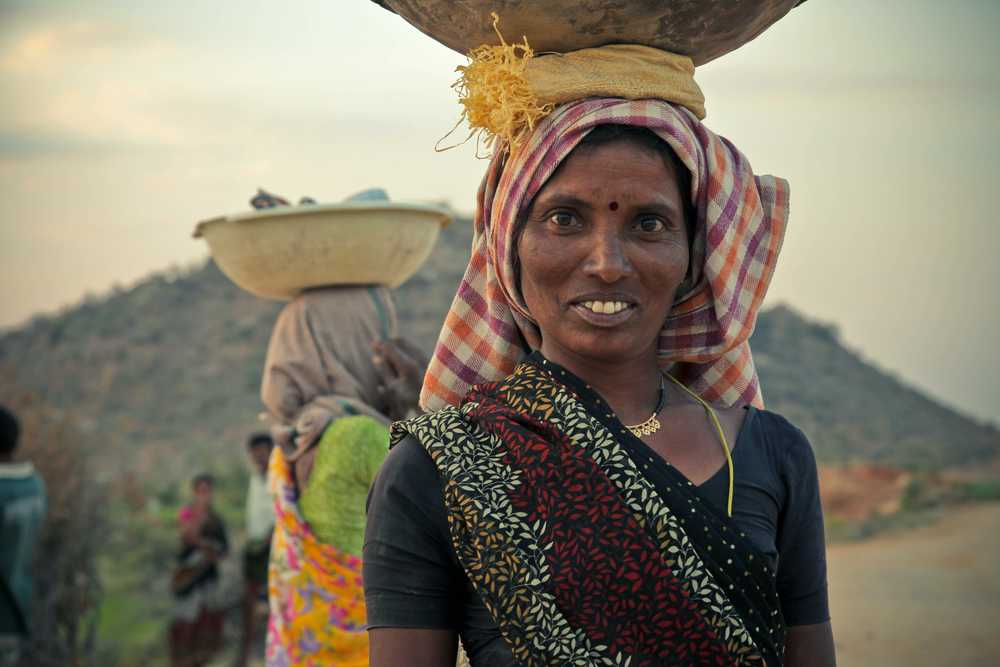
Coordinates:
<point>701,29</point>
<point>276,253</point>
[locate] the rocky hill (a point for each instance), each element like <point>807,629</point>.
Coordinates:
<point>166,373</point>
<point>852,410</point>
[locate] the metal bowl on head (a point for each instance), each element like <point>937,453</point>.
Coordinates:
<point>700,29</point>
<point>278,252</point>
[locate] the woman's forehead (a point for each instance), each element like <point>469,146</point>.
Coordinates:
<point>621,168</point>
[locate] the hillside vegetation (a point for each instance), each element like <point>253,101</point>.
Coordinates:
<point>168,372</point>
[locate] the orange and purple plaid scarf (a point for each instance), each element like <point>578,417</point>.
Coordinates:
<point>739,229</point>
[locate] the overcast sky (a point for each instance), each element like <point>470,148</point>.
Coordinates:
<point>124,123</point>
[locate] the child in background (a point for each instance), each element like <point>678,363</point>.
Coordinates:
<point>260,525</point>
<point>196,629</point>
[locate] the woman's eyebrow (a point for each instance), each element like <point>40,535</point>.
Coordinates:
<point>654,204</point>
<point>666,207</point>
<point>563,199</point>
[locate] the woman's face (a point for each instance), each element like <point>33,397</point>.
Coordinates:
<point>602,253</point>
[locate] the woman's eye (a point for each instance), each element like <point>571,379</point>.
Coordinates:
<point>562,219</point>
<point>650,225</point>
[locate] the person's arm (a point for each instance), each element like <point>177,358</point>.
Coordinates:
<point>413,592</point>
<point>390,647</point>
<point>801,544</point>
<point>810,646</point>
<point>400,365</point>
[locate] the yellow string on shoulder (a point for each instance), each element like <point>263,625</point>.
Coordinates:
<point>494,92</point>
<point>722,438</point>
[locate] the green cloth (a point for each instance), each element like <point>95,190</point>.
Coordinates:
<point>349,454</point>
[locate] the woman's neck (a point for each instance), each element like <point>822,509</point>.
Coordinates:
<point>630,386</point>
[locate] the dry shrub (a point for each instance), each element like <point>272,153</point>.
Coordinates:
<point>861,491</point>
<point>67,586</point>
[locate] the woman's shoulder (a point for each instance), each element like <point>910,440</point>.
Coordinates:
<point>787,442</point>
<point>408,472</point>
<point>431,424</point>
<point>429,432</point>
<point>406,458</point>
<point>406,501</point>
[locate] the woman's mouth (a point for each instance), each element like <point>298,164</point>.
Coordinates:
<point>604,313</point>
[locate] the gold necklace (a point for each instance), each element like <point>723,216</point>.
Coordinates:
<point>651,425</point>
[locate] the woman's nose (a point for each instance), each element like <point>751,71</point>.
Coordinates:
<point>608,260</point>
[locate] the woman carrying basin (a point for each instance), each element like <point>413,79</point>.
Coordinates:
<point>597,482</point>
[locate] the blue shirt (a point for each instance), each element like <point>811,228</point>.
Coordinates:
<point>22,508</point>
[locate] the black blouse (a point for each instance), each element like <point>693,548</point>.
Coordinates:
<point>413,579</point>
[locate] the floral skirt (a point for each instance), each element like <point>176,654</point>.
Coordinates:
<point>315,591</point>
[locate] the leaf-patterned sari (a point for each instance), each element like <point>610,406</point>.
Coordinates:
<point>585,549</point>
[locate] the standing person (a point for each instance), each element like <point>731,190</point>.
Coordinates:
<point>598,482</point>
<point>196,629</point>
<point>260,524</point>
<point>335,376</point>
<point>22,510</point>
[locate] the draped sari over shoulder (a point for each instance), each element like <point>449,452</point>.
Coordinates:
<point>584,549</point>
<point>581,555</point>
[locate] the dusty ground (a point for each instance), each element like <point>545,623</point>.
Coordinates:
<point>929,596</point>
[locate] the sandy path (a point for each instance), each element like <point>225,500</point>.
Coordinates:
<point>930,596</point>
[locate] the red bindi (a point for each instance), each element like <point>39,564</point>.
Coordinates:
<point>613,206</point>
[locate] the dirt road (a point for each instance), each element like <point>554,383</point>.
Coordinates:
<point>930,596</point>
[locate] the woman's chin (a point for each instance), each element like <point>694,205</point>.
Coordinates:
<point>601,348</point>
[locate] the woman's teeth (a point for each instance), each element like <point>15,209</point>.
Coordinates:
<point>605,307</point>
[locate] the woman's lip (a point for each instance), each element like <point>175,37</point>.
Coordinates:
<point>606,320</point>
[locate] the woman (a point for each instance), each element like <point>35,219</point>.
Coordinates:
<point>196,629</point>
<point>333,379</point>
<point>575,503</point>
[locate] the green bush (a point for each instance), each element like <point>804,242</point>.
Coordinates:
<point>982,491</point>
